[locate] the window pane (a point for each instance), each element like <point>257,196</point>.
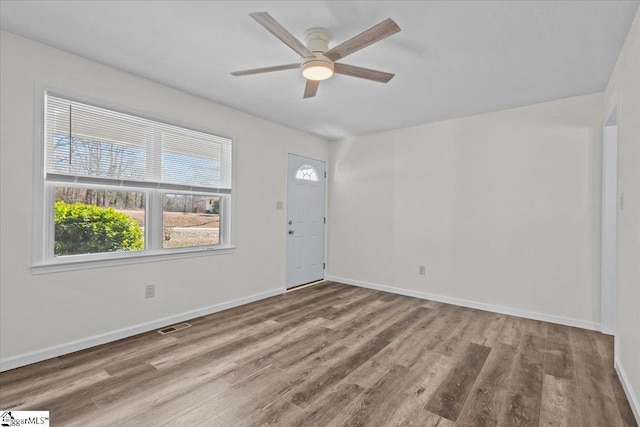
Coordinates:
<point>89,220</point>
<point>307,172</point>
<point>88,141</point>
<point>190,220</point>
<point>93,157</point>
<point>198,171</point>
<point>191,160</point>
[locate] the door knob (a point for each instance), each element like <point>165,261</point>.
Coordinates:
<point>290,222</point>
<point>291,231</point>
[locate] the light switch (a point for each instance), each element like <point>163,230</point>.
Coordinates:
<point>279,205</point>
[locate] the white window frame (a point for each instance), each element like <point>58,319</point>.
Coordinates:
<point>43,214</point>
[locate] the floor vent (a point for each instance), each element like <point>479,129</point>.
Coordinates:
<point>174,328</point>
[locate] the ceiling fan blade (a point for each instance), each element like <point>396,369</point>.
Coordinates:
<point>274,27</point>
<point>265,69</point>
<point>311,88</point>
<point>362,73</point>
<point>374,34</point>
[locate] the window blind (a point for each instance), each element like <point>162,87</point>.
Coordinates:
<point>89,144</point>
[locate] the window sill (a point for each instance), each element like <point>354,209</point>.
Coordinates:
<point>126,259</point>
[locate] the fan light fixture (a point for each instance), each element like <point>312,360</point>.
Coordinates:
<point>317,60</point>
<point>317,69</point>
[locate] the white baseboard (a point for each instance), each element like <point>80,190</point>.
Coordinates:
<point>595,326</point>
<point>66,348</point>
<point>628,390</point>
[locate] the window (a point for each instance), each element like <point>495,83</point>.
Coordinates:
<point>189,220</point>
<point>307,172</point>
<point>119,185</point>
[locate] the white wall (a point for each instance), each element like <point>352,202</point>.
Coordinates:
<point>41,311</point>
<point>502,208</point>
<point>624,90</point>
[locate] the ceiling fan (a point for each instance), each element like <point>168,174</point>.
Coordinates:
<point>317,60</point>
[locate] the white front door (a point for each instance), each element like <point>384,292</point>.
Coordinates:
<point>305,220</point>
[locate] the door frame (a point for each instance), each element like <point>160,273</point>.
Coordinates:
<point>609,255</point>
<point>286,207</point>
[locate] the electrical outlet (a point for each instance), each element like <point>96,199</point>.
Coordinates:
<point>422,270</point>
<point>150,291</point>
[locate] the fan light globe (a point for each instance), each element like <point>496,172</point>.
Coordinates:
<point>317,72</point>
<point>319,68</point>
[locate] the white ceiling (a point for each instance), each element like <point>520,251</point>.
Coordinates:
<point>452,59</point>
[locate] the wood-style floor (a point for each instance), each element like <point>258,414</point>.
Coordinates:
<point>335,355</point>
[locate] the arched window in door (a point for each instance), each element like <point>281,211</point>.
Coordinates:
<point>307,172</point>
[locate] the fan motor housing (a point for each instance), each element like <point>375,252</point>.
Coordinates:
<point>317,39</point>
